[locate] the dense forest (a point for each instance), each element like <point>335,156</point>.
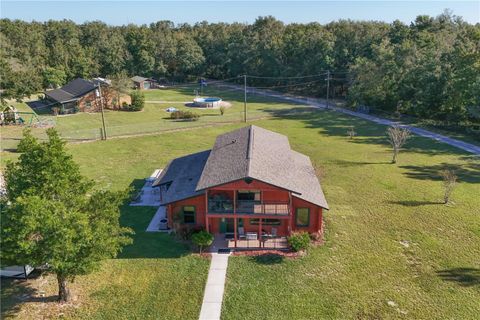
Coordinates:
<point>429,68</point>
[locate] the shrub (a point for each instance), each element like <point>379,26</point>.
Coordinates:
<point>299,241</point>
<point>202,239</point>
<point>222,110</point>
<point>138,101</point>
<point>184,115</point>
<point>125,105</point>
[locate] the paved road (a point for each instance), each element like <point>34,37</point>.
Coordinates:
<point>315,103</point>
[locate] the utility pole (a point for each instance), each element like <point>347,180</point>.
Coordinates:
<point>103,115</point>
<point>245,97</point>
<point>328,86</point>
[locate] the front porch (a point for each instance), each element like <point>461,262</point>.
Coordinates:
<point>225,241</point>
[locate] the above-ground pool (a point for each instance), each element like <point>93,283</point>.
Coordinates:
<point>209,102</point>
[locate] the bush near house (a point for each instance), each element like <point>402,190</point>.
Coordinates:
<point>138,101</point>
<point>184,115</point>
<point>299,241</point>
<point>202,239</point>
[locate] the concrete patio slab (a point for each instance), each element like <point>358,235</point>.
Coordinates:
<point>148,196</point>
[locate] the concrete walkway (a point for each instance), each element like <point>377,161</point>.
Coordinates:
<point>213,297</point>
<point>154,225</point>
<point>149,196</point>
<point>317,104</point>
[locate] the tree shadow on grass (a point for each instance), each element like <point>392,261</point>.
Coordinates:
<point>15,292</point>
<point>147,244</point>
<point>345,163</point>
<point>336,124</point>
<point>466,173</point>
<point>268,258</point>
<point>415,203</point>
<point>466,277</point>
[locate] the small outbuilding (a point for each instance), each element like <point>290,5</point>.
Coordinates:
<point>142,83</point>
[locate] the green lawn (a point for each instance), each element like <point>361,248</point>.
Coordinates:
<point>154,278</point>
<point>361,266</point>
<point>153,119</point>
<point>374,206</point>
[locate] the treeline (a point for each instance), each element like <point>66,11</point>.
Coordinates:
<point>430,68</point>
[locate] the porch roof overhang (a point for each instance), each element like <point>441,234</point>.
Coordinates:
<point>242,179</point>
<point>249,215</point>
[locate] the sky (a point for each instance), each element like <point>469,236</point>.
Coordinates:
<point>144,12</point>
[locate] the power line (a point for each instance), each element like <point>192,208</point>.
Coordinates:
<point>192,84</point>
<point>297,77</point>
<point>289,85</point>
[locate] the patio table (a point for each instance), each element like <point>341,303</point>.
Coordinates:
<point>251,236</point>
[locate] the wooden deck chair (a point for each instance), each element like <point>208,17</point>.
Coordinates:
<point>274,232</point>
<point>241,233</point>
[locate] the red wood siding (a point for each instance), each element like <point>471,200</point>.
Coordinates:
<point>199,204</point>
<point>269,193</point>
<point>315,223</point>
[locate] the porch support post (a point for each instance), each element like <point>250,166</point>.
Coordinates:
<point>207,227</point>
<point>260,232</point>
<point>235,227</point>
<point>234,202</point>
<point>290,207</point>
<point>235,230</point>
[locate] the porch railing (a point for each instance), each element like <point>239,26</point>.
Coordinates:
<point>256,207</point>
<point>220,206</point>
<point>249,207</point>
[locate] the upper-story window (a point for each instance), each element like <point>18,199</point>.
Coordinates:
<point>247,195</point>
<point>188,214</point>
<point>302,217</point>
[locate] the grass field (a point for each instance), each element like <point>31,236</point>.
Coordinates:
<point>388,238</point>
<point>153,119</point>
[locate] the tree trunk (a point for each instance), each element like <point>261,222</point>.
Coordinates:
<point>63,291</point>
<point>395,152</point>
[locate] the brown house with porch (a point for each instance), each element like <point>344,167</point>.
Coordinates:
<point>82,95</point>
<point>251,189</point>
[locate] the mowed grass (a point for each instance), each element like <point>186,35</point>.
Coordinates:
<point>153,119</point>
<point>375,207</point>
<point>362,265</point>
<point>154,278</point>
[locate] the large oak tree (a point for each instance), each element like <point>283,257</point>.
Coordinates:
<point>54,218</point>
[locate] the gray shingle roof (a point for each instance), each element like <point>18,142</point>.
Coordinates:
<point>60,95</point>
<point>249,152</point>
<point>183,173</point>
<point>138,79</point>
<point>72,90</point>
<point>306,180</point>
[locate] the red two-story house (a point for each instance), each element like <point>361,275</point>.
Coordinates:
<point>251,188</point>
